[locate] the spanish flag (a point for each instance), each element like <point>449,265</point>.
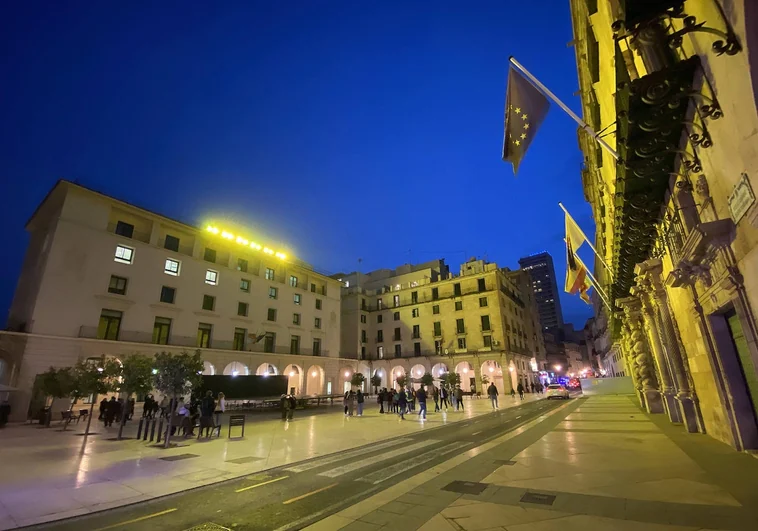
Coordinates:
<point>577,280</point>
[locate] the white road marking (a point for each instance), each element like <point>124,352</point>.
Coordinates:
<point>362,463</point>
<point>344,455</point>
<point>401,467</point>
<point>476,433</point>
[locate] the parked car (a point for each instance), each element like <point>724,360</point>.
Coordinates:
<point>556,391</point>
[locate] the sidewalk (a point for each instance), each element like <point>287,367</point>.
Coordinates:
<point>48,474</point>
<point>595,463</point>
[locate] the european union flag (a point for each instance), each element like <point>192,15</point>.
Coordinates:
<point>525,108</point>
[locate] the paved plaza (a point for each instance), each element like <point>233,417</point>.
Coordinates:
<point>48,474</point>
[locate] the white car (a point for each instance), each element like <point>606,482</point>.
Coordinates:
<point>556,391</point>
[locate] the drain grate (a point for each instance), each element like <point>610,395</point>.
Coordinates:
<point>538,497</point>
<point>503,462</point>
<point>465,487</point>
<point>178,457</point>
<point>208,526</point>
<point>243,460</point>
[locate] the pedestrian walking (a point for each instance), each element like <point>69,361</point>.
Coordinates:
<point>359,398</point>
<point>387,400</point>
<point>350,403</point>
<point>380,400</point>
<point>111,410</point>
<point>164,407</point>
<point>520,390</point>
<point>292,402</point>
<point>421,397</point>
<point>103,408</point>
<point>345,400</point>
<point>513,393</point>
<point>443,397</point>
<point>454,399</point>
<point>532,386</point>
<point>218,412</point>
<point>459,398</point>
<point>396,400</point>
<point>492,392</point>
<point>436,396</point>
<point>131,404</point>
<point>207,408</point>
<point>284,405</point>
<point>402,402</point>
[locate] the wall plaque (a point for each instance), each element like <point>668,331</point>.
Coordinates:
<point>741,199</point>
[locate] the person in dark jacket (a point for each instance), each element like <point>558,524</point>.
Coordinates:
<point>436,396</point>
<point>103,408</point>
<point>402,402</point>
<point>459,398</point>
<point>292,405</point>
<point>492,393</point>
<point>359,398</point>
<point>207,407</point>
<point>421,397</point>
<point>520,390</point>
<point>112,409</point>
<point>443,397</point>
<point>380,400</point>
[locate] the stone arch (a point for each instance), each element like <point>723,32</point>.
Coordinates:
<point>236,368</point>
<point>365,370</point>
<point>208,368</point>
<point>395,373</point>
<point>266,369</point>
<point>416,372</point>
<point>344,377</point>
<point>466,371</point>
<point>494,373</point>
<point>439,369</point>
<point>294,374</point>
<point>314,382</point>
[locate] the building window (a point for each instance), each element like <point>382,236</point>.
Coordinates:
<point>318,304</point>
<point>317,347</point>
<point>211,277</point>
<point>363,336</point>
<point>161,330</point>
<point>396,316</point>
<point>416,332</point>
<point>296,318</point>
<point>482,302</point>
<point>379,318</point>
<point>458,306</point>
<point>397,334</point>
<point>396,300</point>
<point>293,281</point>
<point>414,297</point>
<point>437,329</point>
<point>363,304</point>
<point>271,316</point>
<point>380,352</point>
<point>363,319</point>
<point>438,347</point>
<point>457,289</point>
<point>398,351</point>
<point>417,349</point>
<point>295,345</point>
<point>204,335</point>
<point>459,326</point>
<point>171,243</point>
<point>171,267</point>
<point>297,299</point>
<point>245,285</point>
<point>109,325</point>
<point>435,294</point>
<point>270,274</point>
<point>317,322</point>
<point>209,255</point>
<point>124,254</point>
<point>482,284</point>
<point>209,302</point>
<point>485,322</point>
<point>462,343</point>
<point>168,294</point>
<point>242,309</point>
<point>436,309</point>
<point>379,304</point>
<point>239,338</point>
<point>414,312</point>
<point>125,229</point>
<point>269,342</point>
<point>272,292</point>
<point>487,341</point>
<point>379,336</point>
<point>117,285</point>
<point>313,288</point>
<point>363,353</point>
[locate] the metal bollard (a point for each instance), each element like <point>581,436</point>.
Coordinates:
<point>139,428</point>
<point>147,428</point>
<point>160,428</point>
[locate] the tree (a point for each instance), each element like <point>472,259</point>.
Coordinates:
<point>427,379</point>
<point>93,377</point>
<point>376,381</point>
<point>485,380</point>
<point>451,379</point>
<point>401,380</point>
<point>135,376</point>
<point>176,375</point>
<point>56,383</point>
<point>357,379</point>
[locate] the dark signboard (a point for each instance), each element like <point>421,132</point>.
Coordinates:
<point>244,387</point>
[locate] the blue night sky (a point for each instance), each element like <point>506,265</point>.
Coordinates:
<point>348,130</point>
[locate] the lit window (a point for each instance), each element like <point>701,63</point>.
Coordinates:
<point>293,281</point>
<point>270,275</point>
<point>172,267</point>
<point>124,254</point>
<point>245,285</point>
<point>297,299</point>
<point>211,277</point>
<point>272,293</point>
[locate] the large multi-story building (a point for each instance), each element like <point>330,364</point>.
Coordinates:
<point>676,213</point>
<point>542,273</point>
<point>103,277</point>
<point>420,318</point>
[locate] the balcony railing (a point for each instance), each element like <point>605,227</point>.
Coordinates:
<point>422,298</point>
<point>136,235</point>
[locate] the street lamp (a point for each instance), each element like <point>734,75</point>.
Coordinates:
<point>557,368</point>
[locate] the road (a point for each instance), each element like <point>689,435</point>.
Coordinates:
<point>298,494</point>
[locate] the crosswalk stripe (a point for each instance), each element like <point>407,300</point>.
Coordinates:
<point>362,463</point>
<point>344,455</point>
<point>398,468</point>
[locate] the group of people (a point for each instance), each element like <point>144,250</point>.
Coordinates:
<point>354,401</point>
<point>112,409</point>
<point>402,401</point>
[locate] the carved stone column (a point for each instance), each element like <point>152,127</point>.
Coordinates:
<point>651,396</point>
<point>685,396</point>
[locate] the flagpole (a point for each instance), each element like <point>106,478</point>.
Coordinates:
<point>542,88</point>
<point>595,284</point>
<point>589,242</point>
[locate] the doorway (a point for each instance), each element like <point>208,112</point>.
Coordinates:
<point>744,361</point>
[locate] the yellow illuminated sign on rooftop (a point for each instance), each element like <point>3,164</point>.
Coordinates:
<point>243,241</point>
